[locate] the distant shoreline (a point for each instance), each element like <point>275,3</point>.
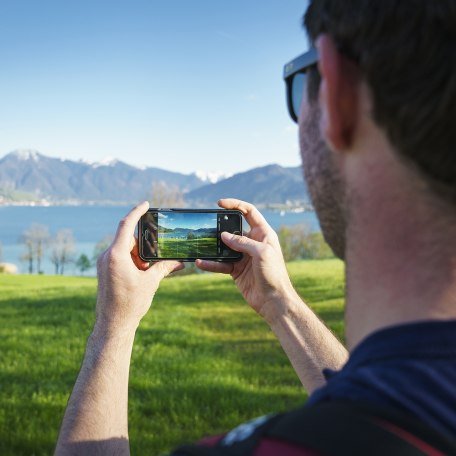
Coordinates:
<point>276,207</point>
<point>91,224</point>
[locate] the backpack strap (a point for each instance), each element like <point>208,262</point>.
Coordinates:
<point>347,428</point>
<point>339,428</point>
<point>236,446</point>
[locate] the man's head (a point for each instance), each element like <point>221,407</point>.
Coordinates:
<point>404,53</point>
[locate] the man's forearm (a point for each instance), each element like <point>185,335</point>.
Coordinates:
<point>308,343</point>
<point>96,416</point>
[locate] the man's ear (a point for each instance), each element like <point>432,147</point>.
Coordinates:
<point>338,94</point>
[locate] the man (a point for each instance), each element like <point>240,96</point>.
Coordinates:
<point>377,142</point>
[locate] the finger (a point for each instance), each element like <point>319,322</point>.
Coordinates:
<point>134,246</point>
<point>137,260</point>
<point>164,268</point>
<point>214,266</point>
<point>251,213</point>
<point>140,264</point>
<point>126,229</point>
<point>242,244</point>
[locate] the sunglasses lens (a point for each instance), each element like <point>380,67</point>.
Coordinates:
<point>298,86</point>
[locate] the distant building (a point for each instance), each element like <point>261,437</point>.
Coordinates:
<point>8,268</point>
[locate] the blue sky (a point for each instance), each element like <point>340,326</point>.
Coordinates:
<point>179,85</point>
<point>190,221</point>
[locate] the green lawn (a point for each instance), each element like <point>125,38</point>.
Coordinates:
<point>190,248</point>
<point>202,361</point>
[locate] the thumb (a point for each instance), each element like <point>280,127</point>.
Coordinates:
<point>242,244</point>
<point>163,268</point>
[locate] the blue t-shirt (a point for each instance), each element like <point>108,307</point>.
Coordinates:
<point>410,367</point>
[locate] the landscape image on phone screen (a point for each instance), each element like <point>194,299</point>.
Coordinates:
<point>187,235</point>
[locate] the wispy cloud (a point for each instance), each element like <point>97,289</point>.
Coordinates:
<point>252,97</point>
<point>228,36</point>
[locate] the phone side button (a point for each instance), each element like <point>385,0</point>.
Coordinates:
<point>237,233</point>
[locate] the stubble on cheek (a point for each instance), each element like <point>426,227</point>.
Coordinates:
<point>323,181</point>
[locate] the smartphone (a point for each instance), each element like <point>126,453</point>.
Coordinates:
<point>188,234</point>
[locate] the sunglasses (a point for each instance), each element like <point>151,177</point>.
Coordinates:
<point>295,75</point>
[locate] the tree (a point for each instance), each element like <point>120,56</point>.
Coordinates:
<point>319,248</point>
<point>28,255</point>
<point>102,246</point>
<point>300,242</point>
<point>190,236</point>
<point>294,241</point>
<point>41,240</point>
<point>165,195</point>
<point>36,239</point>
<point>83,263</point>
<point>62,250</point>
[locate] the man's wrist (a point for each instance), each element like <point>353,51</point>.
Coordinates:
<point>280,306</point>
<point>112,322</point>
<point>104,331</point>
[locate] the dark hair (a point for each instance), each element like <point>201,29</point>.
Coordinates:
<point>406,52</point>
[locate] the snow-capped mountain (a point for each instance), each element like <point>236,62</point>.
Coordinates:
<point>212,177</point>
<point>110,180</point>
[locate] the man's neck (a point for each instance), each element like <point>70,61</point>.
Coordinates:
<point>400,258</point>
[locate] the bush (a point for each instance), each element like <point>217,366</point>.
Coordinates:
<point>299,242</point>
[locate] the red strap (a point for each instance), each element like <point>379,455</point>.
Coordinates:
<point>272,447</point>
<point>410,438</point>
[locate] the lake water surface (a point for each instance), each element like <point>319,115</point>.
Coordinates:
<point>89,225</point>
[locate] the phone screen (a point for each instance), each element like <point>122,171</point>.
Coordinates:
<point>188,234</point>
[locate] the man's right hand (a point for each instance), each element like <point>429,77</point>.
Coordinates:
<point>261,275</point>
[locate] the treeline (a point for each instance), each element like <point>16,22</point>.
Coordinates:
<point>59,249</point>
<point>299,242</point>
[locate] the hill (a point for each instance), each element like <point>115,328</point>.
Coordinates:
<point>272,184</point>
<point>56,179</point>
<point>28,175</point>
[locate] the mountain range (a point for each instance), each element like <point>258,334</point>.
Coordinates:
<point>30,175</point>
<point>182,232</point>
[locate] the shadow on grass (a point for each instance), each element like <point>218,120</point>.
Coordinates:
<point>29,428</point>
<point>202,363</point>
<point>168,416</point>
<point>62,311</point>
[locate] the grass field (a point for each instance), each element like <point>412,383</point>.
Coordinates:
<point>202,363</point>
<point>191,248</point>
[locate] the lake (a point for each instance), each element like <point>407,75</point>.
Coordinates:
<point>89,225</point>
